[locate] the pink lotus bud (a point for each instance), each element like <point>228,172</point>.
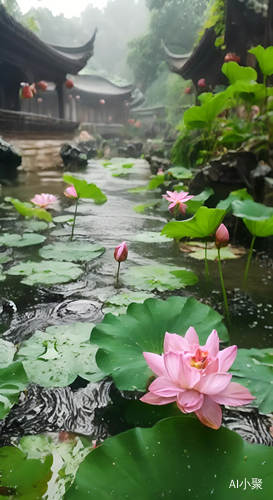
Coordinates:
<point>202,83</point>
<point>221,236</point>
<point>121,252</point>
<point>70,192</point>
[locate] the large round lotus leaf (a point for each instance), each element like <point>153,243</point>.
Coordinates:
<point>72,251</point>
<point>158,277</point>
<point>13,380</point>
<point>250,210</point>
<point>56,357</point>
<point>21,477</point>
<point>16,240</point>
<point>46,272</point>
<point>7,351</point>
<point>203,224</point>
<point>177,459</point>
<point>124,338</point>
<point>32,225</point>
<point>253,368</point>
<point>117,304</point>
<point>260,228</point>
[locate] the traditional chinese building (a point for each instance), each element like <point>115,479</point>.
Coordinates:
<point>26,58</point>
<point>239,25</point>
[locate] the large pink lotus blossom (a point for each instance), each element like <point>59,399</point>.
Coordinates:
<point>177,199</point>
<point>43,200</point>
<point>70,192</point>
<point>195,377</point>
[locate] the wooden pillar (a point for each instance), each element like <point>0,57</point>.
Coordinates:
<point>60,94</point>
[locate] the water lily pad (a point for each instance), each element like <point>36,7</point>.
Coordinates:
<point>60,219</point>
<point>151,237</point>
<point>122,339</point>
<point>165,462</point>
<point>154,183</point>
<point>196,250</point>
<point>180,172</point>
<point>24,240</point>
<point>32,225</point>
<point>72,251</point>
<point>13,380</point>
<point>7,351</point>
<point>253,368</point>
<point>56,357</point>
<point>85,190</point>
<point>203,224</point>
<point>158,277</point>
<point>5,257</point>
<point>117,304</point>
<point>21,477</point>
<point>144,206</point>
<point>46,272</point>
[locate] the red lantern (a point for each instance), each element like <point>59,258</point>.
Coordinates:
<point>202,83</point>
<point>69,83</point>
<point>42,85</point>
<point>188,90</point>
<point>231,56</point>
<point>27,92</point>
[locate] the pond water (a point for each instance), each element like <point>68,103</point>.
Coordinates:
<point>82,300</point>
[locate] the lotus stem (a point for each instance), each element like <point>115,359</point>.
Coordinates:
<point>249,259</point>
<point>117,276</point>
<point>223,287</point>
<point>206,260</point>
<point>74,220</point>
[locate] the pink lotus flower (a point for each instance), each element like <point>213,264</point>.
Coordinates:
<point>121,252</point>
<point>177,200</point>
<point>43,200</point>
<point>70,192</point>
<point>221,236</point>
<point>195,377</point>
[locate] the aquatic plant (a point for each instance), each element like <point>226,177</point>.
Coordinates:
<point>70,192</point>
<point>195,377</point>
<point>177,201</point>
<point>28,211</point>
<point>221,240</point>
<point>43,200</point>
<point>120,255</point>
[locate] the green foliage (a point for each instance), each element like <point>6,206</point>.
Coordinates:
<point>178,172</point>
<point>56,357</point>
<point>158,277</point>
<point>264,58</point>
<point>195,203</point>
<point>122,339</point>
<point>234,72</point>
<point>72,251</point>
<point>46,272</point>
<point>166,460</point>
<point>27,210</point>
<point>7,351</point>
<point>144,206</point>
<point>239,194</point>
<point>117,304</point>
<point>13,380</point>
<point>203,224</point>
<point>151,237</point>
<point>215,18</point>
<point>85,190</point>
<point>249,209</point>
<point>203,116</point>
<point>19,241</point>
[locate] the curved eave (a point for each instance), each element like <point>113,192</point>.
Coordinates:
<point>175,61</point>
<point>98,86</point>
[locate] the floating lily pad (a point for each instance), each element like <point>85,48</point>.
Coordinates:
<point>21,477</point>
<point>56,357</point>
<point>7,351</point>
<point>85,190</point>
<point>154,183</point>
<point>144,206</point>
<point>24,240</point>
<point>123,339</point>
<point>13,380</point>
<point>32,225</point>
<point>253,368</point>
<point>203,224</point>
<point>196,250</point>
<point>180,172</point>
<point>72,251</point>
<point>117,304</point>
<point>5,257</point>
<point>165,462</point>
<point>158,277</point>
<point>151,237</point>
<point>60,219</point>
<point>46,272</point>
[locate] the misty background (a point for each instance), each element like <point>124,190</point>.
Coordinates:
<point>128,46</point>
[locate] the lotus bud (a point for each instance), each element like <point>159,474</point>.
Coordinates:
<point>221,236</point>
<point>70,192</point>
<point>121,252</point>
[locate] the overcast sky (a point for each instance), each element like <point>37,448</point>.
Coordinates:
<point>68,7</point>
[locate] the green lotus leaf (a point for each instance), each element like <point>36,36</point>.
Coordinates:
<point>234,72</point>
<point>159,277</point>
<point>85,190</point>
<point>253,368</point>
<point>180,172</point>
<point>13,380</point>
<point>46,272</point>
<point>195,203</point>
<point>151,237</point>
<point>196,250</point>
<point>144,206</point>
<point>32,225</point>
<point>117,304</point>
<point>60,219</point>
<point>260,228</point>
<point>27,210</point>
<point>7,351</point>
<point>264,58</point>
<point>5,257</point>
<point>56,357</point>
<point>203,224</point>
<point>72,251</point>
<point>239,194</point>
<point>202,116</point>
<point>21,477</point>
<point>123,339</point>
<point>24,240</point>
<point>248,209</point>
<point>165,462</point>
